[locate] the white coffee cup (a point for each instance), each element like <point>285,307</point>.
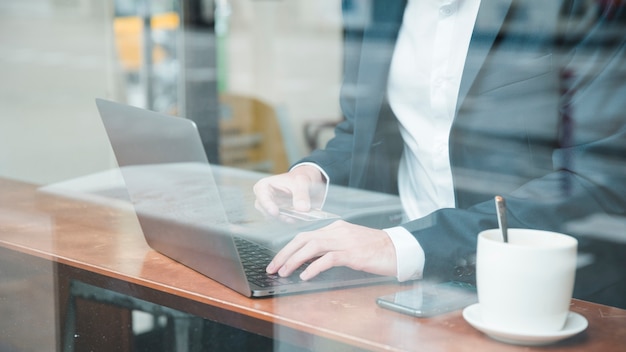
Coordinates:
<point>525,285</point>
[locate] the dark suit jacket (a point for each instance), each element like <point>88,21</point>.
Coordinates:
<point>540,120</point>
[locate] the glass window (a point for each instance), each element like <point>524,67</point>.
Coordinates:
<point>410,116</point>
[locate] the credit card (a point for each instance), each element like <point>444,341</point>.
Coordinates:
<point>311,215</point>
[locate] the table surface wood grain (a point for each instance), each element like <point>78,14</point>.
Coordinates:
<point>105,245</point>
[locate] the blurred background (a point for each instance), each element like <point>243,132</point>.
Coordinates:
<point>278,60</point>
<point>260,79</point>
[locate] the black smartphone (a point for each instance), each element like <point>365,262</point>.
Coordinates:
<point>428,299</point>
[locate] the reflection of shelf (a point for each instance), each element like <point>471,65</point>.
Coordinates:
<point>241,141</point>
<point>129,37</point>
<point>604,227</point>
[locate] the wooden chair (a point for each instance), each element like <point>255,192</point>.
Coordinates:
<point>251,136</point>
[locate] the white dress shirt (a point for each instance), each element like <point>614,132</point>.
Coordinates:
<point>423,87</point>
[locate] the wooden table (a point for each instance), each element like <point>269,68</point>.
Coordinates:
<point>104,247</point>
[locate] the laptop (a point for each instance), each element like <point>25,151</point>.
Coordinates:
<point>182,213</point>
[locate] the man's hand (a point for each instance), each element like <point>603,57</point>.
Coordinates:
<point>302,188</point>
<point>338,244</point>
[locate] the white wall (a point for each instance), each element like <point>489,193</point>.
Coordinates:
<point>54,60</point>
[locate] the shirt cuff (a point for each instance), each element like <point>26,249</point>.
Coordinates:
<point>326,179</point>
<point>409,254</point>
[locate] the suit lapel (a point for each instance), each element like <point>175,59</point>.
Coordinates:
<point>376,54</point>
<point>489,20</point>
<point>375,58</point>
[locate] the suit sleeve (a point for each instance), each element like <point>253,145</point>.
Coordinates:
<point>589,164</point>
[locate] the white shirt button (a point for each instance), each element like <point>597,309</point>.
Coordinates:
<point>448,8</point>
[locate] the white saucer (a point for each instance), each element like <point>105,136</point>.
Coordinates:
<point>575,324</point>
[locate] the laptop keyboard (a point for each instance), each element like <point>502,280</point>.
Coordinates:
<point>255,259</point>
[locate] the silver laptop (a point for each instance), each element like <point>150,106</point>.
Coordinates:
<point>185,216</point>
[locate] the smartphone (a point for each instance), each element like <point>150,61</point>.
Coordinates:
<point>428,299</point>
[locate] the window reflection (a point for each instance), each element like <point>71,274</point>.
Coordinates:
<point>266,82</point>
